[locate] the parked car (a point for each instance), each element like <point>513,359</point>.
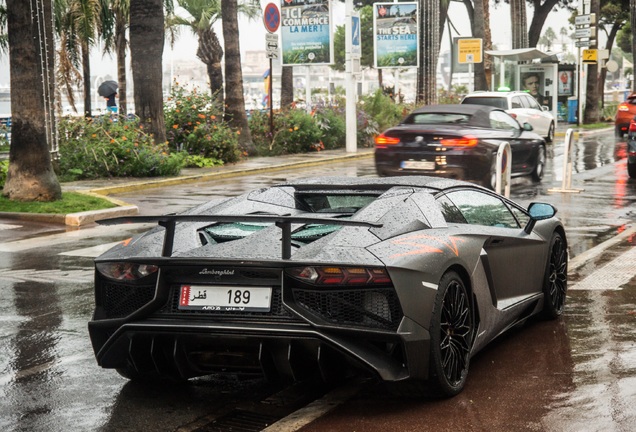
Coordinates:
<point>403,279</point>
<point>521,106</point>
<point>631,149</point>
<point>624,115</point>
<point>459,142</point>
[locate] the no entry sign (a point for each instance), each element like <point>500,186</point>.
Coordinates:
<point>271,17</point>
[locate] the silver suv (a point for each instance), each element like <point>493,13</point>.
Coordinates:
<point>521,106</point>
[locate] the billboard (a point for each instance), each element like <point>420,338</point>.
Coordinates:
<point>395,28</point>
<point>306,32</point>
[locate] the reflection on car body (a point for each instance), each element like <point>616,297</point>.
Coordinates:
<point>458,141</point>
<point>402,278</point>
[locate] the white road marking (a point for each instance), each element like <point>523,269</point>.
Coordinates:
<point>47,276</point>
<point>90,252</point>
<point>8,226</point>
<point>612,275</point>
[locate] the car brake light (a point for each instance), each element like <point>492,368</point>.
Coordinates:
<point>467,141</point>
<point>623,107</point>
<point>341,275</point>
<point>513,115</point>
<point>125,271</point>
<point>383,141</point>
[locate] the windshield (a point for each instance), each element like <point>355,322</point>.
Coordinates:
<point>497,102</point>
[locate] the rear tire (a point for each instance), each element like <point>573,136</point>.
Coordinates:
<point>539,169</point>
<point>550,137</point>
<point>452,333</point>
<point>631,169</point>
<point>555,282</point>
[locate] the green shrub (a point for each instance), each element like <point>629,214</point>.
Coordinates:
<point>194,124</point>
<point>108,147</point>
<point>332,124</point>
<point>383,110</point>
<point>196,161</point>
<point>454,96</point>
<point>4,169</point>
<point>295,131</point>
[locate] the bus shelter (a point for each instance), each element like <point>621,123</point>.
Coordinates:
<point>528,69</point>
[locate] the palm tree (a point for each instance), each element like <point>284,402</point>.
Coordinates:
<point>30,176</point>
<point>146,49</point>
<point>632,8</point>
<point>115,18</point>
<point>78,23</point>
<point>235,113</point>
<point>203,15</point>
<point>429,50</point>
<point>519,24</point>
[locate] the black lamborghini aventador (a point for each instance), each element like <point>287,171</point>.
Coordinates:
<point>404,278</point>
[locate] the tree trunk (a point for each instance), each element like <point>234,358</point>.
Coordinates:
<point>86,75</point>
<point>146,49</point>
<point>519,24</point>
<point>541,13</point>
<point>235,113</point>
<point>591,113</point>
<point>429,52</point>
<point>286,87</point>
<point>479,31</point>
<point>30,176</point>
<point>632,8</point>
<point>121,45</point>
<point>210,52</point>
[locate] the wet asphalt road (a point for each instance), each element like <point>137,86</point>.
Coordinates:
<point>574,374</point>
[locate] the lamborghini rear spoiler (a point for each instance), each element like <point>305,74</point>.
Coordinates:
<point>169,222</point>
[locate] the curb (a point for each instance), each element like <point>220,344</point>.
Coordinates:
<point>193,178</point>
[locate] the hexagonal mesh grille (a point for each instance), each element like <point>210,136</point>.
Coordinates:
<point>120,300</point>
<point>377,308</point>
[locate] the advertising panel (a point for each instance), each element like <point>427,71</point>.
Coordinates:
<point>566,87</point>
<point>540,80</point>
<point>395,26</point>
<point>306,32</point>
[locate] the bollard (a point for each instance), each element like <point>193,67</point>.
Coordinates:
<point>503,169</point>
<point>568,156</point>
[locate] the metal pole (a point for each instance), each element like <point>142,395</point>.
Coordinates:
<point>350,107</point>
<point>270,100</point>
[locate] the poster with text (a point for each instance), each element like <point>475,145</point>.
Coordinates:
<point>395,27</point>
<point>306,32</point>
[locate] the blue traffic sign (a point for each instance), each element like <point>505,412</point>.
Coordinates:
<point>271,17</point>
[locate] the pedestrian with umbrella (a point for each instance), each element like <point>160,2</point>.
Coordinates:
<point>108,90</point>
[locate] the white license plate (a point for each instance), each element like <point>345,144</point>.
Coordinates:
<point>418,165</point>
<point>224,298</point>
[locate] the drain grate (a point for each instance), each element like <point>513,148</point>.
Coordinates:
<point>240,421</point>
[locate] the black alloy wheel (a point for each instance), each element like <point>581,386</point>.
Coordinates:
<point>539,169</point>
<point>452,335</point>
<point>556,278</point>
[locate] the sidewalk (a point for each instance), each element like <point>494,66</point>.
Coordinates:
<point>105,187</point>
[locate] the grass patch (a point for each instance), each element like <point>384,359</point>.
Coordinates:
<point>71,202</point>
<point>595,125</point>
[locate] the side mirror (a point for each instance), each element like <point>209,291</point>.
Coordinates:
<point>527,126</point>
<point>545,108</point>
<point>538,211</point>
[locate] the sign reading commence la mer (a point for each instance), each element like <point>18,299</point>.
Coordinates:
<point>395,27</point>
<point>306,32</point>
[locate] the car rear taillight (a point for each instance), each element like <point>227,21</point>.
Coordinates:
<point>467,141</point>
<point>125,271</point>
<point>382,141</point>
<point>623,107</point>
<point>513,115</point>
<point>336,275</point>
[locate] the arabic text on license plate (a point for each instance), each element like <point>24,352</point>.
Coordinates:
<point>224,298</point>
<point>422,165</point>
